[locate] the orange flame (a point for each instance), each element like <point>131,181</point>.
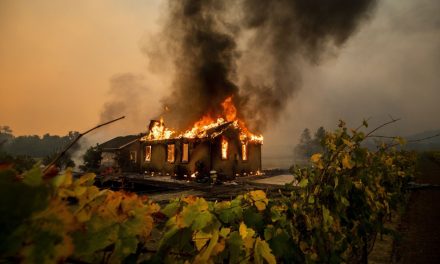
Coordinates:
<point>229,110</point>
<point>199,129</point>
<point>159,131</point>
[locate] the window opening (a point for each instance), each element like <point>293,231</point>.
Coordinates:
<point>148,153</point>
<point>170,156</point>
<point>185,152</point>
<point>244,154</point>
<point>133,156</point>
<point>225,146</point>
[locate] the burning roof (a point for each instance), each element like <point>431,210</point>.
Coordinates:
<point>205,127</point>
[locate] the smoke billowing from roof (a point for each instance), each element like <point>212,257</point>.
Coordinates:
<point>250,49</point>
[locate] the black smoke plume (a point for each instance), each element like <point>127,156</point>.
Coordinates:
<point>251,50</point>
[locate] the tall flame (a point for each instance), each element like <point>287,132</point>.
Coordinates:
<point>159,131</point>
<point>229,110</point>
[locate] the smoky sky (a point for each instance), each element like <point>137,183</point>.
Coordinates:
<point>129,96</point>
<point>389,68</point>
<point>250,50</point>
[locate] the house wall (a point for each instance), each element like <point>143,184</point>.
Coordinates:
<point>119,159</point>
<point>234,164</point>
<point>126,164</point>
<point>198,153</point>
<point>204,154</point>
<point>253,163</point>
<point>158,163</point>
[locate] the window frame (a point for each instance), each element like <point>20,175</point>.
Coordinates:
<point>151,152</point>
<point>173,151</point>
<point>223,139</point>
<point>134,160</point>
<point>244,153</point>
<point>183,152</point>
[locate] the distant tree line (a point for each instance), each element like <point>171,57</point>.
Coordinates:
<point>33,145</point>
<point>309,145</point>
<point>24,151</point>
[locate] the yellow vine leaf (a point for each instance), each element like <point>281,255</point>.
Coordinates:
<point>347,142</point>
<point>242,230</point>
<point>263,251</point>
<point>205,254</point>
<point>200,239</point>
<point>316,157</point>
<point>260,199</point>
<point>87,178</point>
<point>347,163</point>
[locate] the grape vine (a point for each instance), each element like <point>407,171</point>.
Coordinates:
<point>339,204</point>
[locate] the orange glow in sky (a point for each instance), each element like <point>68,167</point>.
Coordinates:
<point>57,57</point>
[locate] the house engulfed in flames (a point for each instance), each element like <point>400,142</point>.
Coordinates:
<point>223,145</point>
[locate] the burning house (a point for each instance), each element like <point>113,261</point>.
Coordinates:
<point>223,145</point>
<point>220,56</point>
<point>219,147</point>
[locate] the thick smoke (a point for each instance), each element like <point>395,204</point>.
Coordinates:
<point>204,55</point>
<point>285,33</point>
<point>129,97</point>
<point>251,50</point>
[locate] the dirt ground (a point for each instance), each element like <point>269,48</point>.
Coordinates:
<point>420,226</point>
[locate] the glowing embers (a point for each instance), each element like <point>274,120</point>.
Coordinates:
<point>244,154</point>
<point>170,153</point>
<point>185,152</point>
<point>148,153</point>
<point>225,146</point>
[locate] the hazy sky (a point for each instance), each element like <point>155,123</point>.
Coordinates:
<point>57,58</point>
<point>62,61</point>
